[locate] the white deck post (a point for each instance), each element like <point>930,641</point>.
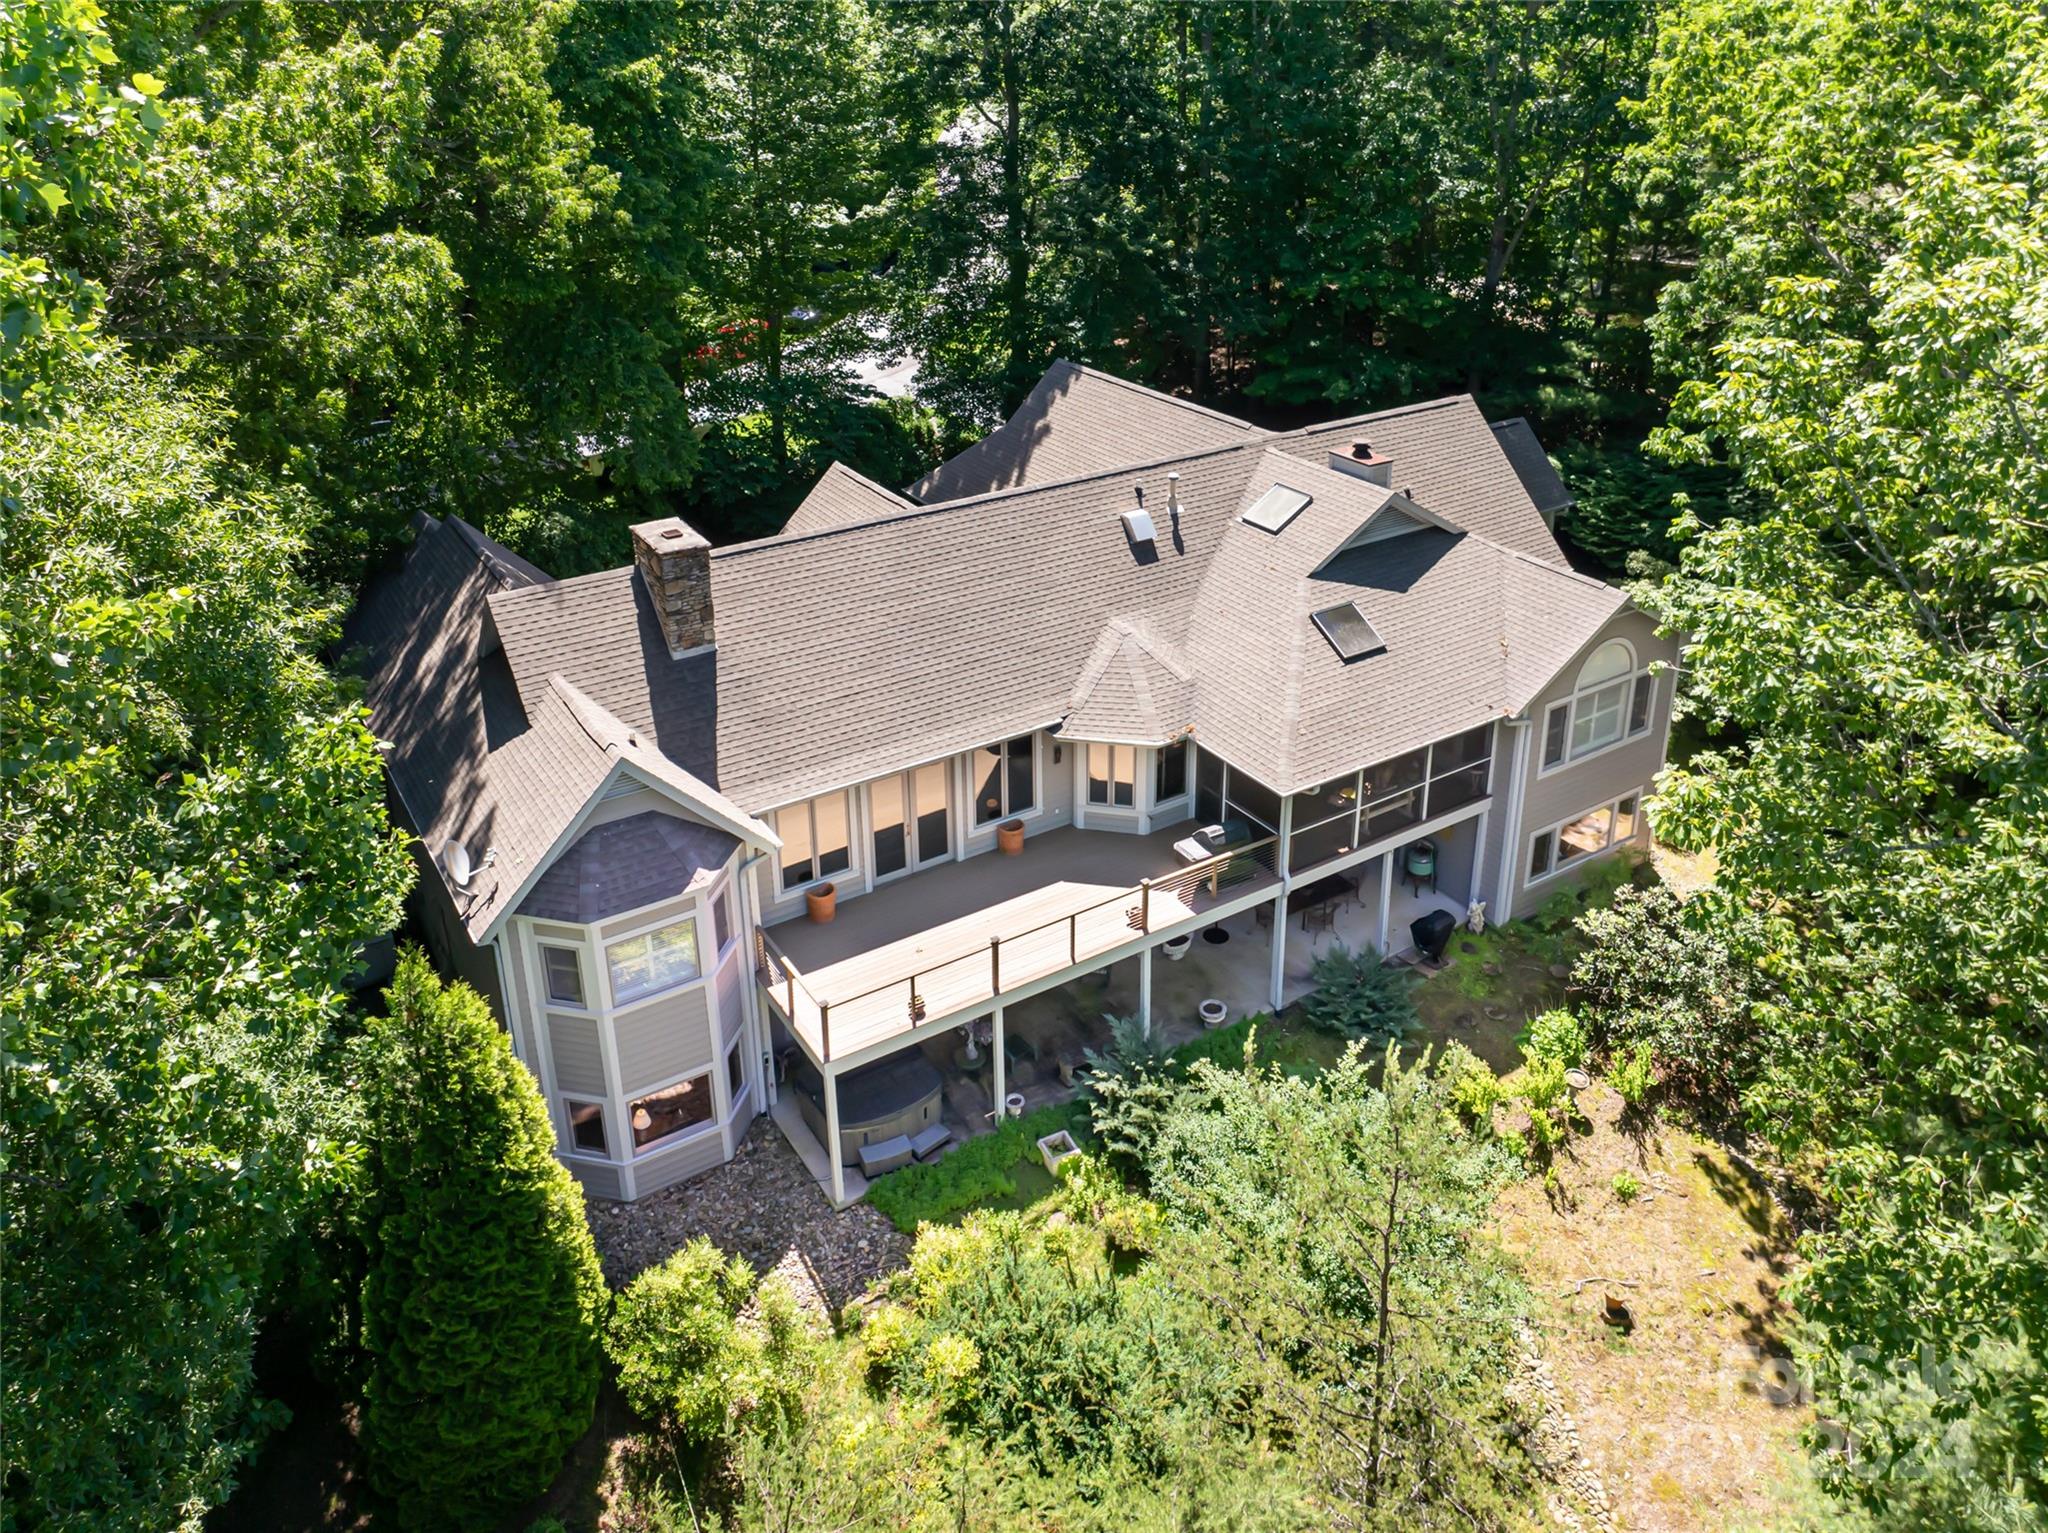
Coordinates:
<point>832,1139</point>
<point>1475,879</point>
<point>1277,988</point>
<point>1386,897</point>
<point>1145,991</point>
<point>1001,1064</point>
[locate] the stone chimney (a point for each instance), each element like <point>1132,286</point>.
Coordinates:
<point>1361,462</point>
<point>674,561</point>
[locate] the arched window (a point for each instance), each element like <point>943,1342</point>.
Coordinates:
<point>1610,703</point>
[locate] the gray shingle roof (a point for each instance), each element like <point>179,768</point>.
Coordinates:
<point>875,641</point>
<point>625,864</point>
<point>1079,421</point>
<point>842,497</point>
<point>1532,466</point>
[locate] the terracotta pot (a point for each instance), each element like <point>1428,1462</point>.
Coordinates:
<point>1010,837</point>
<point>822,901</point>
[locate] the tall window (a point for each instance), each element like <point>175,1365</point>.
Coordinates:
<point>1113,775</point>
<point>586,1127</point>
<point>911,825</point>
<point>721,919</point>
<point>1005,780</point>
<point>1170,777</point>
<point>1610,703</point>
<point>653,961</point>
<point>1557,847</point>
<point>814,840</point>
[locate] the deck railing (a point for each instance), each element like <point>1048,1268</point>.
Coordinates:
<point>1018,958</point>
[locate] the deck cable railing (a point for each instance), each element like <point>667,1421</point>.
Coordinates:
<point>1017,958</point>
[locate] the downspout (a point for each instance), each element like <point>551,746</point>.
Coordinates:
<point>1511,820</point>
<point>750,905</point>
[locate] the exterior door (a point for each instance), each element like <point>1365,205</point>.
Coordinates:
<point>911,820</point>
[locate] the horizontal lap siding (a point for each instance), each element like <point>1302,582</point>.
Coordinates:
<point>598,1180</point>
<point>665,1168</point>
<point>516,1006</point>
<point>664,1039</point>
<point>579,1064</point>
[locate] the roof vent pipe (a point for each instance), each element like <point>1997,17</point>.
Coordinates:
<point>1361,462</point>
<point>1173,495</point>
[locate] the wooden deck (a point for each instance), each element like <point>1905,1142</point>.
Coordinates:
<point>948,941</point>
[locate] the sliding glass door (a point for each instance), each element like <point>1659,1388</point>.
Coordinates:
<point>912,826</point>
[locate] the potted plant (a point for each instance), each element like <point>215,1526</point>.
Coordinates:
<point>1010,837</point>
<point>822,901</point>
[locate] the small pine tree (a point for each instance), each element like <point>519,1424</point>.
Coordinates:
<point>483,1296</point>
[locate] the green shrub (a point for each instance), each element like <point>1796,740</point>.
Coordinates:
<point>1626,1187</point>
<point>482,1297</point>
<point>979,1171</point>
<point>1473,1087</point>
<point>952,1367</point>
<point>687,1362</point>
<point>1224,1047</point>
<point>1631,1073</point>
<point>1557,1035</point>
<point>885,1340</point>
<point>1092,1193</point>
<point>1129,1086</point>
<point>1358,996</point>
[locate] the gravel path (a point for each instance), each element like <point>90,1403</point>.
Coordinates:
<point>763,1205</point>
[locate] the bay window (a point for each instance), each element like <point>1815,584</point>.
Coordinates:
<point>670,1110</point>
<point>653,961</point>
<point>1113,775</point>
<point>1557,847</point>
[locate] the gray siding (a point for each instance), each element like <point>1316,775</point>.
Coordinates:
<point>1599,778</point>
<point>579,1065</point>
<point>516,1004</point>
<point>598,1179</point>
<point>665,1038</point>
<point>665,1168</point>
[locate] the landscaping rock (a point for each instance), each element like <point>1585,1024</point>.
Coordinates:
<point>764,1206</point>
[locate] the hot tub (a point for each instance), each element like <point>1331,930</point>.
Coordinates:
<point>897,1095</point>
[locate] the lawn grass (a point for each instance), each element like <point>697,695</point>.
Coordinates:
<point>994,1170</point>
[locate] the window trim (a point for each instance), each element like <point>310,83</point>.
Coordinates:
<point>1111,782</point>
<point>695,916</point>
<point>570,1147</point>
<point>710,1125</point>
<point>809,809</point>
<point>1557,867</point>
<point>979,827</point>
<point>1628,681</point>
<point>733,1093</point>
<point>711,903</point>
<point>549,999</point>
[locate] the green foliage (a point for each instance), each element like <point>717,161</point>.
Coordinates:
<point>1556,1035</point>
<point>1092,1193</point>
<point>195,849</point>
<point>1660,971</point>
<point>1358,996</point>
<point>1129,1088</point>
<point>1332,1229</point>
<point>72,129</point>
<point>483,1299</point>
<point>1078,1368</point>
<point>1632,1073</point>
<point>1866,343</point>
<point>1470,1083</point>
<point>979,1171</point>
<point>1625,1187</point>
<point>885,1340</point>
<point>1628,500</point>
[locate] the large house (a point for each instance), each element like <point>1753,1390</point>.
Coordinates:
<point>727,825</point>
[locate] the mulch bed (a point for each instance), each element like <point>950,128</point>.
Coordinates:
<point>763,1205</point>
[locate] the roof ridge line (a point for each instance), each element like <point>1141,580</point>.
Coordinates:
<point>1375,415</point>
<point>1147,389</point>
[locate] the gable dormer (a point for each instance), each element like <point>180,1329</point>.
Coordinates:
<point>1396,516</point>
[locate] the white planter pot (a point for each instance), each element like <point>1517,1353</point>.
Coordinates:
<point>1214,1013</point>
<point>1177,949</point>
<point>1013,1104</point>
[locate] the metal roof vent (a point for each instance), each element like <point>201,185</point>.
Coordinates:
<point>1138,522</point>
<point>1350,633</point>
<point>1276,508</point>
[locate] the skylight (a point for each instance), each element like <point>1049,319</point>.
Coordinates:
<point>1349,633</point>
<point>1276,508</point>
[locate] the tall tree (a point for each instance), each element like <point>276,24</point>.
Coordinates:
<point>1877,636</point>
<point>194,847</point>
<point>1333,1230</point>
<point>483,1298</point>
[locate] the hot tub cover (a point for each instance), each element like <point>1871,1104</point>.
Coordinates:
<point>879,1090</point>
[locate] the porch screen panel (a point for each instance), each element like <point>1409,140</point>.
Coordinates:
<point>1459,770</point>
<point>1325,823</point>
<point>1246,798</point>
<point>1393,795</point>
<point>1208,786</point>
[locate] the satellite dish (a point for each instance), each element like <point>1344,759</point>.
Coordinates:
<point>455,859</point>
